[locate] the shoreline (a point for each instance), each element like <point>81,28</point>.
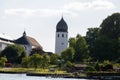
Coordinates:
<point>63,75</point>
<point>53,75</point>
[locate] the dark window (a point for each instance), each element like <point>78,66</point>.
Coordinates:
<point>58,35</point>
<point>62,35</point>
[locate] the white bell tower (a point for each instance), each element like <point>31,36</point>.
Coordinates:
<point>61,42</point>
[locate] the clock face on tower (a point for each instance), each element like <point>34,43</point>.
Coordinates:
<point>62,43</point>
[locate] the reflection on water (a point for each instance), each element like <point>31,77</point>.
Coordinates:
<point>24,77</point>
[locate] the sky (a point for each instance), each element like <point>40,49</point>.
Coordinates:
<point>40,17</point>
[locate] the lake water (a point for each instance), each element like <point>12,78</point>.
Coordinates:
<point>24,77</point>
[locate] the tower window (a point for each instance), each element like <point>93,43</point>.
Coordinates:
<point>62,35</point>
<point>58,35</point>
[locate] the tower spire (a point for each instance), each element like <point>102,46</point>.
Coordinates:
<point>61,41</point>
<point>24,33</point>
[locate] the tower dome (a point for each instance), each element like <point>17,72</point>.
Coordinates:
<point>62,26</point>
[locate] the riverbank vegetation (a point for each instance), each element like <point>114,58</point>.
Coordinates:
<point>97,52</point>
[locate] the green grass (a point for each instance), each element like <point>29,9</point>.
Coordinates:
<point>39,70</point>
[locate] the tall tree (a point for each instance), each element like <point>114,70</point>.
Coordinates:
<point>110,26</point>
<point>91,37</point>
<point>107,45</point>
<point>81,48</point>
<point>72,42</point>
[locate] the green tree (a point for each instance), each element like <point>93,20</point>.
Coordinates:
<point>107,44</point>
<point>104,49</point>
<point>54,59</point>
<point>72,42</point>
<point>14,53</point>
<point>45,61</point>
<point>2,61</point>
<point>110,26</point>
<point>35,60</point>
<point>25,62</point>
<point>91,37</point>
<point>81,49</point>
<point>68,54</point>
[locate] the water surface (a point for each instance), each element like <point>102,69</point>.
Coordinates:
<point>24,77</point>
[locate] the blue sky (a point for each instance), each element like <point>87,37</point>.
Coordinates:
<point>40,17</point>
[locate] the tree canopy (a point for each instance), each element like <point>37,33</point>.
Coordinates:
<point>68,54</point>
<point>104,43</point>
<point>110,26</point>
<point>14,53</point>
<point>80,47</point>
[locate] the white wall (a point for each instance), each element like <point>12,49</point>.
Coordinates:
<point>61,42</point>
<point>2,46</point>
<point>28,49</point>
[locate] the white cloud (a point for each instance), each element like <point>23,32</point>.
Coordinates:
<point>67,9</point>
<point>95,4</point>
<point>37,12</point>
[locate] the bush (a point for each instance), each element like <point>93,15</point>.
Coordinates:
<point>107,67</point>
<point>69,66</point>
<point>90,68</point>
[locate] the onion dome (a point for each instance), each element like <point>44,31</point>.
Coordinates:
<point>62,26</point>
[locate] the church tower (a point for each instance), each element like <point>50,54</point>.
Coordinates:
<point>61,42</point>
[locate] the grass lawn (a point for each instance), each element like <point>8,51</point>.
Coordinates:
<point>32,70</point>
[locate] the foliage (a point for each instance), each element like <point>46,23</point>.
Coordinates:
<point>69,66</point>
<point>104,42</point>
<point>91,37</point>
<point>14,53</point>
<point>36,50</point>
<point>90,68</point>
<point>104,49</point>
<point>110,26</point>
<point>72,42</point>
<point>68,54</point>
<point>81,48</point>
<point>45,61</point>
<point>105,66</point>
<point>25,62</point>
<point>108,67</point>
<point>2,61</point>
<point>54,59</point>
<point>97,66</point>
<point>36,60</point>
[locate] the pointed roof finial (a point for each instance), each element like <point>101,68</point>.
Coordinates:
<point>62,16</point>
<point>24,33</point>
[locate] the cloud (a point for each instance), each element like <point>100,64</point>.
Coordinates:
<point>95,4</point>
<point>66,9</point>
<point>37,12</point>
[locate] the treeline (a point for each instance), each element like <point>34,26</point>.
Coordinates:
<point>16,56</point>
<point>100,44</point>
